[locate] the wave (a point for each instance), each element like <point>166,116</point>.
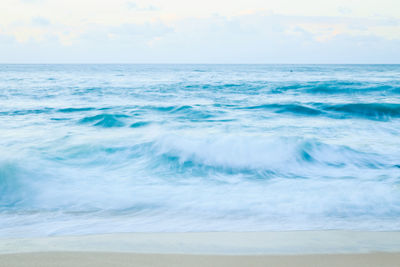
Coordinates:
<point>164,148</point>
<point>329,87</point>
<point>341,87</point>
<point>69,110</point>
<point>13,185</point>
<point>378,111</point>
<point>140,124</point>
<point>105,120</point>
<point>46,110</point>
<point>372,111</point>
<point>279,156</point>
<point>184,112</point>
<point>244,182</point>
<point>248,87</point>
<point>27,112</point>
<point>289,108</point>
<point>86,192</point>
<point>196,113</point>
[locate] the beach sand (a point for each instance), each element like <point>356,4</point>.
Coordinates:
<point>100,259</point>
<point>297,248</point>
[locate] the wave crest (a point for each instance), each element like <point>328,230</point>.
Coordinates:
<point>280,155</point>
<point>105,120</point>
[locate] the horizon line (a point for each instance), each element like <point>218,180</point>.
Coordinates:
<point>142,63</point>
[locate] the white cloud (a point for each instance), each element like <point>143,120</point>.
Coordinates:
<point>344,10</point>
<point>134,6</point>
<point>40,21</point>
<point>32,1</point>
<point>207,31</point>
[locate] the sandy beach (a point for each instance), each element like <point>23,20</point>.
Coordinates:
<point>88,259</point>
<point>297,248</point>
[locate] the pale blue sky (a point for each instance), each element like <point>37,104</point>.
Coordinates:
<point>208,31</point>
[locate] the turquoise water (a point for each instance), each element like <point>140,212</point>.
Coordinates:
<point>135,148</point>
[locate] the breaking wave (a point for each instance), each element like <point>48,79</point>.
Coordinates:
<point>132,148</point>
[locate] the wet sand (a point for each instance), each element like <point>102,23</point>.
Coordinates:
<point>99,259</point>
<point>301,249</point>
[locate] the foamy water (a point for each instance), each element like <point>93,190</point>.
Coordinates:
<point>136,148</point>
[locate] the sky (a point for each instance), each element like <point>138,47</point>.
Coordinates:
<point>207,31</point>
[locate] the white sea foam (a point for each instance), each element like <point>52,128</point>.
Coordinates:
<point>162,149</point>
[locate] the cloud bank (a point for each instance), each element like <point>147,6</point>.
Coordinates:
<point>147,32</point>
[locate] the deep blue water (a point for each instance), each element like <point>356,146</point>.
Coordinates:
<point>133,148</point>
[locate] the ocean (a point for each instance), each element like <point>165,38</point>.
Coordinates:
<point>94,149</point>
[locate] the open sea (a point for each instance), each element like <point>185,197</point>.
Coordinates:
<point>89,149</point>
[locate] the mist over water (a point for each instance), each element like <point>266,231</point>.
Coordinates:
<point>136,148</point>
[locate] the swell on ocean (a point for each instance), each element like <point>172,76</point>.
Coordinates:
<point>92,149</point>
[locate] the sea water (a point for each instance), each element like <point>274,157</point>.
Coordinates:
<point>88,149</point>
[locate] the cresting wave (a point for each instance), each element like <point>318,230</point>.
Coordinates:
<point>275,155</point>
<point>222,160</point>
<point>104,149</point>
<point>375,111</point>
<point>332,87</point>
<point>369,111</point>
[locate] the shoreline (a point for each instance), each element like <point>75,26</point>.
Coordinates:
<point>222,249</point>
<point>213,243</point>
